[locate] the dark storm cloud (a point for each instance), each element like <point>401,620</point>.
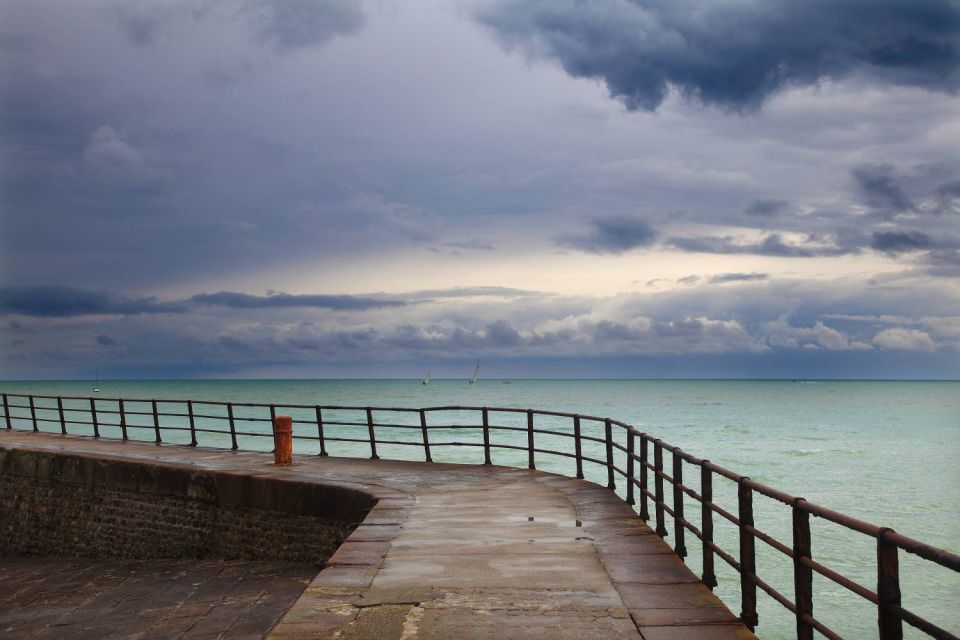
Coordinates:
<point>879,186</point>
<point>896,242</point>
<point>771,245</point>
<point>294,24</point>
<point>735,54</point>
<point>766,208</point>
<point>737,277</point>
<point>235,300</point>
<point>61,301</point>
<point>614,234</point>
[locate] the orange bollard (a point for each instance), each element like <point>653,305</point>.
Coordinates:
<point>283,440</point>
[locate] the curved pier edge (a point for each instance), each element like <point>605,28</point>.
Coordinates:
<point>466,551</point>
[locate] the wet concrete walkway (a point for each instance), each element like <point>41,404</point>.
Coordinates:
<point>56,598</point>
<point>465,551</point>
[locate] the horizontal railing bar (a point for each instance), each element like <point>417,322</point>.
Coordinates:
<point>773,593</point>
<point>729,559</point>
<point>843,581</point>
<point>723,512</point>
<point>941,556</point>
<point>822,628</point>
<point>927,627</point>
<point>726,473</point>
<point>773,542</point>
<point>690,492</point>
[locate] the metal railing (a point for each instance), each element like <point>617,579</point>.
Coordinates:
<point>595,441</point>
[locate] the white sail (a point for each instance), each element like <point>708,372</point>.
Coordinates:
<point>476,374</point>
<point>427,379</point>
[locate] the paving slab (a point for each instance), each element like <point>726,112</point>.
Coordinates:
<point>452,551</point>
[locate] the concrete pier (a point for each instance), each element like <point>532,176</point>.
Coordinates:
<point>448,551</point>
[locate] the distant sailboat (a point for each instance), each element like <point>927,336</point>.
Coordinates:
<point>476,374</point>
<point>427,379</point>
<point>96,384</point>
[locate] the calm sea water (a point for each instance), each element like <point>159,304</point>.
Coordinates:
<point>886,452</point>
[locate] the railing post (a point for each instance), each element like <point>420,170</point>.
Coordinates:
<point>282,439</point>
<point>608,437</point>
<point>233,427</point>
<point>644,489</point>
<point>678,526</point>
<point>6,412</point>
<point>706,515</point>
<point>530,462</point>
<point>273,422</point>
<point>486,438</point>
<point>578,446</point>
<point>320,436</point>
<point>193,424</point>
<point>33,414</point>
<point>426,438</point>
<point>658,484</point>
<point>373,437</point>
<point>748,560</point>
<point>156,422</point>
<point>63,422</point>
<point>630,481</point>
<point>802,574</point>
<point>123,420</point>
<point>888,588</point>
<point>93,415</point>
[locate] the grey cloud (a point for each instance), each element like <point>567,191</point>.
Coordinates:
<point>691,279</point>
<point>880,188</point>
<point>470,292</point>
<point>734,54</point>
<point>61,301</point>
<point>105,340</point>
<point>285,24</point>
<point>295,24</point>
<point>765,208</point>
<point>235,300</point>
<point>948,197</point>
<point>771,245</point>
<point>738,277</point>
<point>895,242</point>
<point>140,26</point>
<point>747,319</point>
<point>502,334</point>
<point>64,301</point>
<point>614,234</point>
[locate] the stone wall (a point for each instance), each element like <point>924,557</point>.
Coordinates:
<point>69,505</point>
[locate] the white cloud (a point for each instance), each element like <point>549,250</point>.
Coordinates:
<point>107,152</point>
<point>904,340</point>
<point>781,333</point>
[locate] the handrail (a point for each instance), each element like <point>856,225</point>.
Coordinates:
<point>890,613</point>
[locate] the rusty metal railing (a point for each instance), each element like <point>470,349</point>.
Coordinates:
<point>595,441</point>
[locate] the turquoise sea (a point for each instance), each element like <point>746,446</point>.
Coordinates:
<point>885,452</point>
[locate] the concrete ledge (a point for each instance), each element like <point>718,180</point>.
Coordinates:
<point>75,505</point>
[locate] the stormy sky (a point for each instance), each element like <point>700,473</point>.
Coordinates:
<point>344,188</point>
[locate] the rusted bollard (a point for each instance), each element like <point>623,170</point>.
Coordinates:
<point>283,440</point>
